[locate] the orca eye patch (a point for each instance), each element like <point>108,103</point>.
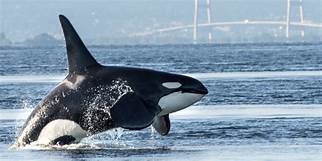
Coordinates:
<point>172,85</point>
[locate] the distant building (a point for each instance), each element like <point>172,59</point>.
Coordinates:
<point>4,41</point>
<point>43,39</point>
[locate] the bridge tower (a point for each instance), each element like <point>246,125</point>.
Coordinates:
<point>196,19</point>
<point>1,17</point>
<point>290,5</point>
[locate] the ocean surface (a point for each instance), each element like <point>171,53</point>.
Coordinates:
<point>264,103</point>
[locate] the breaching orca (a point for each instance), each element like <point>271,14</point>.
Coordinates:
<point>94,98</point>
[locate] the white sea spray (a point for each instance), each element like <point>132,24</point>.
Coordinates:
<point>26,105</point>
<point>99,106</point>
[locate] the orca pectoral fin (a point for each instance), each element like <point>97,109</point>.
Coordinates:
<point>130,112</point>
<point>162,124</point>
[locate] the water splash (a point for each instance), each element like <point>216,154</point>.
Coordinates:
<point>115,134</point>
<point>153,132</point>
<point>97,115</point>
<point>26,104</point>
<point>57,147</point>
<point>109,139</point>
<point>27,107</point>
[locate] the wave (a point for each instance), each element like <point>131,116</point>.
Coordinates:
<point>32,79</point>
<point>264,74</point>
<point>104,146</point>
<point>202,76</point>
<point>216,111</point>
<point>15,114</point>
<point>251,111</point>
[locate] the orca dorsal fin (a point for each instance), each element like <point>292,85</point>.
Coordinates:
<point>79,58</point>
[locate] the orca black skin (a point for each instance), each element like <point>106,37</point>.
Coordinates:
<point>94,98</point>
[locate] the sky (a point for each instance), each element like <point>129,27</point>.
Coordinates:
<point>117,19</point>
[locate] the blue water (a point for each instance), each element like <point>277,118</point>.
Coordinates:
<point>264,102</point>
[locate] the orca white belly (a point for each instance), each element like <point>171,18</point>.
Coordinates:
<point>60,128</point>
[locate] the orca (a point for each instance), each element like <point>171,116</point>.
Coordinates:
<point>94,98</point>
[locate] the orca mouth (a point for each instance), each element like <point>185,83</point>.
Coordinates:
<point>201,90</point>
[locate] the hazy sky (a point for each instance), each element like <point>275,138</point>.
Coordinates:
<point>21,19</point>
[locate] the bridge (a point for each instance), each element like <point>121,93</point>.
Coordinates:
<point>287,23</point>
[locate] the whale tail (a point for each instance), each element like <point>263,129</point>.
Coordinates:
<point>79,58</point>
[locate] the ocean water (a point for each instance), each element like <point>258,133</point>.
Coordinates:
<point>264,103</point>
